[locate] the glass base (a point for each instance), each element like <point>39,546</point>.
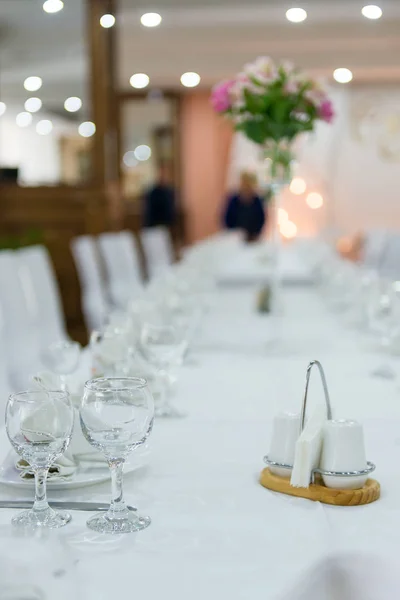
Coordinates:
<point>49,519</point>
<point>166,410</point>
<point>128,523</point>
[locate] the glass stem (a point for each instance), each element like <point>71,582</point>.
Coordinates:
<point>40,490</point>
<point>118,506</point>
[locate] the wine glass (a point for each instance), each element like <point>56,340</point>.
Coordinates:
<point>164,347</point>
<point>384,319</point>
<point>117,416</point>
<point>111,351</point>
<point>39,426</point>
<point>62,357</point>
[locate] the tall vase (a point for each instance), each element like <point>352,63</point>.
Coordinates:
<point>279,157</point>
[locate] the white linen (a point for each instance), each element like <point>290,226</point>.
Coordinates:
<point>215,532</point>
<point>253,264</point>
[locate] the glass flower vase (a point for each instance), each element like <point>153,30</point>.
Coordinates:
<point>279,157</point>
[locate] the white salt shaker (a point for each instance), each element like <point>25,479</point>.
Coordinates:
<point>343,450</point>
<point>285,433</point>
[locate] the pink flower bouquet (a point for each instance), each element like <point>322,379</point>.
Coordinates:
<point>270,102</point>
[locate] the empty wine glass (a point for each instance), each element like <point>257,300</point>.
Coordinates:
<point>62,357</point>
<point>117,416</point>
<point>111,351</point>
<point>164,347</point>
<point>39,426</point>
<point>384,320</point>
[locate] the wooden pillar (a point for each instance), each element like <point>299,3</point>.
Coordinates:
<point>103,74</point>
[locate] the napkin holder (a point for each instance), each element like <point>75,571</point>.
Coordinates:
<point>317,491</point>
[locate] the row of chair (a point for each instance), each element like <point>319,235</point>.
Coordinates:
<point>31,314</point>
<point>109,268</point>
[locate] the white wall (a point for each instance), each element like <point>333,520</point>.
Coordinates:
<point>354,163</point>
<point>36,156</point>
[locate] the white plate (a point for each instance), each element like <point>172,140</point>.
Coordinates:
<point>85,474</point>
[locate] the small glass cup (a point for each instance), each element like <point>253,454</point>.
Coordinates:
<point>164,347</point>
<point>39,426</point>
<point>62,358</point>
<point>112,352</point>
<point>117,415</point>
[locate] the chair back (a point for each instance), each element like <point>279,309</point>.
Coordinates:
<point>93,291</point>
<point>158,250</point>
<point>24,347</point>
<point>121,260</point>
<point>42,294</point>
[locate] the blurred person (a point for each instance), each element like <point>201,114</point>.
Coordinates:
<point>159,201</point>
<point>245,208</point>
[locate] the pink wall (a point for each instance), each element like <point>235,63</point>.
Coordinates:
<point>206,140</point>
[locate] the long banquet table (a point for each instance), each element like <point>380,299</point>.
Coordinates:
<point>215,532</point>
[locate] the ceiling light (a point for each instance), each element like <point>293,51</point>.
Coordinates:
<point>142,152</point>
<point>139,80</point>
<point>32,84</point>
<point>33,105</point>
<point>371,11</point>
<point>151,19</point>
<point>53,6</point>
<point>87,129</point>
<point>107,21</point>
<point>72,104</point>
<point>296,15</point>
<point>190,79</point>
<point>314,200</point>
<point>3,108</point>
<point>342,75</point>
<point>23,119</point>
<point>298,186</point>
<point>129,159</point>
<point>44,127</point>
<point>288,229</point>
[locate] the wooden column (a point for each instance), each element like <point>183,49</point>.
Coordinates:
<point>103,74</point>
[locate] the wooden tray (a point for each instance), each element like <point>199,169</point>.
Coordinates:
<point>319,493</point>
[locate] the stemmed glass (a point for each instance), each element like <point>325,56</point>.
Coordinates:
<point>111,351</point>
<point>62,358</point>
<point>384,320</point>
<point>117,416</point>
<point>163,346</point>
<point>39,426</point>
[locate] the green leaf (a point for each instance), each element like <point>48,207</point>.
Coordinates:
<point>254,102</point>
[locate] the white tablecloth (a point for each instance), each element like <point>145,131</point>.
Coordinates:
<point>215,532</point>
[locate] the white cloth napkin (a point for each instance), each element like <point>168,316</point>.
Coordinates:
<point>65,466</point>
<point>308,449</point>
<point>62,469</point>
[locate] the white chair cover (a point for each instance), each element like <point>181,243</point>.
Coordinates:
<point>375,244</point>
<point>93,294</point>
<point>122,264</point>
<point>23,345</point>
<point>5,387</point>
<point>158,250</point>
<point>42,295</point>
<point>390,261</point>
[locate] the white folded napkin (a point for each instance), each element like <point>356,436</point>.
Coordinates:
<point>79,449</point>
<point>308,448</point>
<point>62,469</point>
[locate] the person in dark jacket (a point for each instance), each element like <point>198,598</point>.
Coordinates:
<point>244,209</point>
<point>159,201</point>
